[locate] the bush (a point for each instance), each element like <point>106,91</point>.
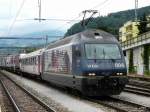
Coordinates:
<point>147,72</point>
<point>133,69</point>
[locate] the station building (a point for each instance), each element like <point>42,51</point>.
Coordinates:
<point>136,48</point>
<point>128,31</point>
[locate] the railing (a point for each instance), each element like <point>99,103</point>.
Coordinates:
<point>135,40</point>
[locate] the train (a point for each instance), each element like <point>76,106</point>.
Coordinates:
<point>91,62</point>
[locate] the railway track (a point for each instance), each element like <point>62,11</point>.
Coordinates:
<point>137,90</point>
<point>143,84</point>
<point>5,104</point>
<point>21,99</point>
<point>138,87</point>
<point>120,105</point>
<point>11,99</point>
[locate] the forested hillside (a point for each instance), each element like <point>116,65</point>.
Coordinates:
<point>110,23</point>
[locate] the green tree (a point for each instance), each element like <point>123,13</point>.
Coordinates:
<point>110,23</point>
<point>131,66</point>
<point>30,49</point>
<point>143,24</point>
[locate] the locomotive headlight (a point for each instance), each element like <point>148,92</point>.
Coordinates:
<point>91,74</point>
<point>119,73</point>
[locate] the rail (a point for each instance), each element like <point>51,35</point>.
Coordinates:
<point>119,104</point>
<point>137,90</point>
<point>15,106</point>
<point>42,103</point>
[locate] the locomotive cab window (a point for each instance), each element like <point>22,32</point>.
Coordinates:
<point>102,51</point>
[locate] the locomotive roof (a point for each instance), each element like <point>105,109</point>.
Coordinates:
<point>32,54</point>
<point>87,35</point>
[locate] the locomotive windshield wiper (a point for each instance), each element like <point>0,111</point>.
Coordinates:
<point>104,54</point>
<point>95,55</point>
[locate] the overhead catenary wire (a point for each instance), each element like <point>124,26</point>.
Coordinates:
<point>52,19</point>
<point>40,9</point>
<point>68,22</point>
<point>39,5</point>
<point>96,6</point>
<point>99,5</point>
<point>17,14</point>
<point>27,37</point>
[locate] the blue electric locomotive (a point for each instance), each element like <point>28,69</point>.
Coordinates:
<point>91,61</point>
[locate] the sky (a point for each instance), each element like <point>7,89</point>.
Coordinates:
<point>16,16</point>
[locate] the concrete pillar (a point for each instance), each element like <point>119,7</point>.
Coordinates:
<point>127,59</point>
<point>138,60</point>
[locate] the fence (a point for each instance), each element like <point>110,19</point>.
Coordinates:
<point>138,39</point>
